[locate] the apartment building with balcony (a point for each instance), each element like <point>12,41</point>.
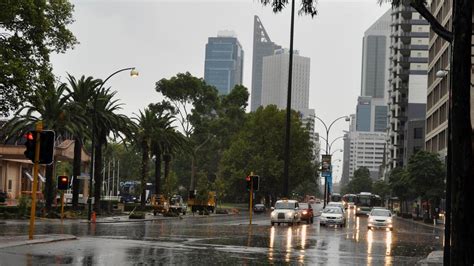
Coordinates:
<point>408,83</point>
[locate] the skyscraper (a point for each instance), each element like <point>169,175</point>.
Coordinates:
<point>408,83</point>
<point>275,81</point>
<point>224,63</point>
<point>262,46</point>
<point>375,58</point>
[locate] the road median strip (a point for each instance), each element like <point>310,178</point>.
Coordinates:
<point>14,241</point>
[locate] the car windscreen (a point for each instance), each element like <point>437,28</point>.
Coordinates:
<point>332,210</point>
<point>304,206</point>
<point>284,205</point>
<point>380,213</point>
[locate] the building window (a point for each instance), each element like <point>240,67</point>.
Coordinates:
<point>9,185</point>
<point>418,133</point>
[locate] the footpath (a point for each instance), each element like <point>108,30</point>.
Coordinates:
<point>14,241</point>
<point>435,257</point>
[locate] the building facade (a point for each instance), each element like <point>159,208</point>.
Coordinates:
<point>408,79</point>
<point>275,81</point>
<point>224,63</point>
<point>371,114</point>
<point>262,46</point>
<point>375,58</point>
<point>365,149</point>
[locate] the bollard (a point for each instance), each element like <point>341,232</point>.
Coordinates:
<point>93,217</point>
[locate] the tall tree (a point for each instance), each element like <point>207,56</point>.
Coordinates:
<point>81,94</point>
<point>361,182</point>
<point>29,32</point>
<point>106,123</point>
<point>426,173</point>
<point>255,148</point>
<point>51,106</point>
<point>146,125</point>
<point>193,103</point>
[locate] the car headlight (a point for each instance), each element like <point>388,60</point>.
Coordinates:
<point>273,214</point>
<point>389,220</point>
<point>358,209</point>
<point>305,212</point>
<point>371,220</point>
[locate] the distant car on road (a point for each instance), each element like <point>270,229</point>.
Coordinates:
<point>332,216</point>
<point>259,208</point>
<point>336,204</point>
<point>128,198</point>
<point>306,212</point>
<point>285,211</point>
<point>380,218</point>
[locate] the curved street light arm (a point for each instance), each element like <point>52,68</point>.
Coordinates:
<point>345,116</point>
<point>116,72</point>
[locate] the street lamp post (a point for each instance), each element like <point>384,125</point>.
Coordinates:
<point>288,106</point>
<point>133,73</point>
<point>328,128</point>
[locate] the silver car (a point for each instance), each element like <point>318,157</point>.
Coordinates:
<point>332,216</point>
<point>285,211</point>
<point>380,218</point>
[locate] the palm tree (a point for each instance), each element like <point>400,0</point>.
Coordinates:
<point>106,123</point>
<point>52,107</point>
<point>172,142</point>
<point>147,124</point>
<point>81,93</point>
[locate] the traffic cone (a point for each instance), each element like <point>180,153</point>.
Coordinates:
<point>93,217</point>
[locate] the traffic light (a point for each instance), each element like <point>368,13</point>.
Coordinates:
<point>255,179</point>
<point>248,182</point>
<point>30,145</point>
<point>63,182</point>
<point>46,146</point>
<point>256,182</point>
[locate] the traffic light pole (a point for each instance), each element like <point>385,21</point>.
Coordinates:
<point>39,128</point>
<point>251,197</point>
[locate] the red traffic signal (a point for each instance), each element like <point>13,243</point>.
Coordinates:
<point>63,182</point>
<point>46,151</point>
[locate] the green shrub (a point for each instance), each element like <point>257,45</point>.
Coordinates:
<point>24,205</point>
<point>137,215</point>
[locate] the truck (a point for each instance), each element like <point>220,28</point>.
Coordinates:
<point>160,204</point>
<point>177,205</point>
<point>207,204</point>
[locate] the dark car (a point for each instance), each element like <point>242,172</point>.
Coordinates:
<point>128,198</point>
<point>306,212</point>
<point>259,208</point>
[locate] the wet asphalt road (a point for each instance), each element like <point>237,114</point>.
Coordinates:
<point>226,239</point>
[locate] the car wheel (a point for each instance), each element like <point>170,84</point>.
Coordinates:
<point>272,223</point>
<point>312,220</point>
<point>278,224</point>
<point>391,229</point>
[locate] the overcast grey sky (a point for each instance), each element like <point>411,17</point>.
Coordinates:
<point>162,38</point>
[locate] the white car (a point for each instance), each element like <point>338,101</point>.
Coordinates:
<point>380,218</point>
<point>285,211</point>
<point>332,216</point>
<point>336,204</point>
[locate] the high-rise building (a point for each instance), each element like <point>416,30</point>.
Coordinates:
<point>375,58</point>
<point>371,114</point>
<point>366,149</point>
<point>438,88</point>
<point>224,63</point>
<point>262,46</point>
<point>275,81</point>
<point>408,81</point>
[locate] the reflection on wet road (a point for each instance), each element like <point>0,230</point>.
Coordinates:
<point>223,240</point>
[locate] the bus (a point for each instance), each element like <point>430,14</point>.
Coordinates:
<point>335,197</point>
<point>365,202</point>
<point>349,200</point>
